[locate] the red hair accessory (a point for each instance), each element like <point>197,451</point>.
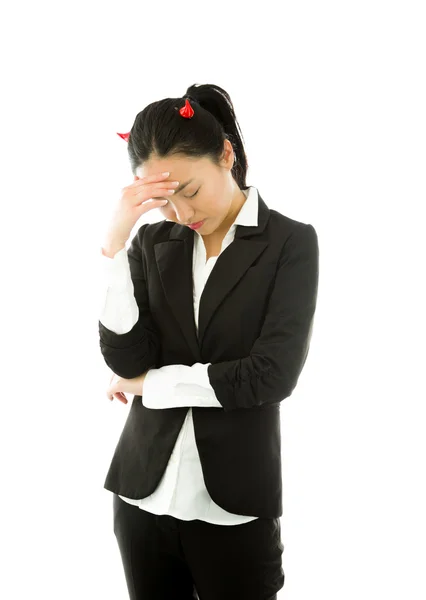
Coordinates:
<point>187,111</point>
<point>124,136</point>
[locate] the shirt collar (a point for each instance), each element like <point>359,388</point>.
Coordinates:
<point>249,211</point>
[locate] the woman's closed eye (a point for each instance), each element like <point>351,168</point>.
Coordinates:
<point>187,197</point>
<point>193,194</point>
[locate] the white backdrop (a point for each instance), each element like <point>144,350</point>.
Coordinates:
<point>331,101</point>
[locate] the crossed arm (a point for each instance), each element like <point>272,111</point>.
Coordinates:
<point>130,342</point>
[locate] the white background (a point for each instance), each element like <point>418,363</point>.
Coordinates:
<point>331,101</point>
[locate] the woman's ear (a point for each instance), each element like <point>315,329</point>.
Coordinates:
<point>228,155</point>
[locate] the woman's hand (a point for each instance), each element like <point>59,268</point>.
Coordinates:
<point>136,199</point>
<point>118,387</point>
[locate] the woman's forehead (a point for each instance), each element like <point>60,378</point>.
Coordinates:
<point>182,167</point>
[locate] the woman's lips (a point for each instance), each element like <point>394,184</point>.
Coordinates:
<point>196,225</point>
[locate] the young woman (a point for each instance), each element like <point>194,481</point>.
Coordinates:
<point>207,322</point>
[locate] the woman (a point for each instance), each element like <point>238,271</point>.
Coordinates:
<point>207,322</point>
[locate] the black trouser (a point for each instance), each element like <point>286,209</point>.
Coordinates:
<point>166,558</point>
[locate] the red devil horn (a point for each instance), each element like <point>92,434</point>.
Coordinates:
<point>125,136</point>
<point>187,111</point>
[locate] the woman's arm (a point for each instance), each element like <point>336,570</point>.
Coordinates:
<point>133,352</point>
<point>170,386</point>
<point>120,311</point>
<point>271,371</point>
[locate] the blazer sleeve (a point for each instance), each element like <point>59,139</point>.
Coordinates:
<point>132,353</point>
<point>271,371</point>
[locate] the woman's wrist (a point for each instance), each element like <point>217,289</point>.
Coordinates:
<point>110,250</point>
<point>133,386</point>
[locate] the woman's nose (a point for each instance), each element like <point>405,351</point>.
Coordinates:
<point>184,214</point>
<point>184,218</point>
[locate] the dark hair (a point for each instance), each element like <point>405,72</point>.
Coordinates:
<point>159,129</point>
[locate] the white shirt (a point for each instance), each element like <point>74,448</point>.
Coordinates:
<point>181,492</point>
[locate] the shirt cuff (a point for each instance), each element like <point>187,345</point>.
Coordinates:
<point>116,270</point>
<point>175,386</point>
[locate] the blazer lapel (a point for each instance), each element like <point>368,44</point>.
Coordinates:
<point>174,262</point>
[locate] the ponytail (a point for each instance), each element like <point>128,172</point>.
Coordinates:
<point>160,130</point>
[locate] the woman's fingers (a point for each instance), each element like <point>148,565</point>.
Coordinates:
<point>157,177</point>
<point>119,395</point>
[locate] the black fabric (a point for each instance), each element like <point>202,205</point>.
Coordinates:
<point>165,558</point>
<point>255,323</point>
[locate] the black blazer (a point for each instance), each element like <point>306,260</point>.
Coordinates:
<point>255,323</point>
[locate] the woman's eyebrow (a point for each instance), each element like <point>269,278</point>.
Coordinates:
<point>182,185</point>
